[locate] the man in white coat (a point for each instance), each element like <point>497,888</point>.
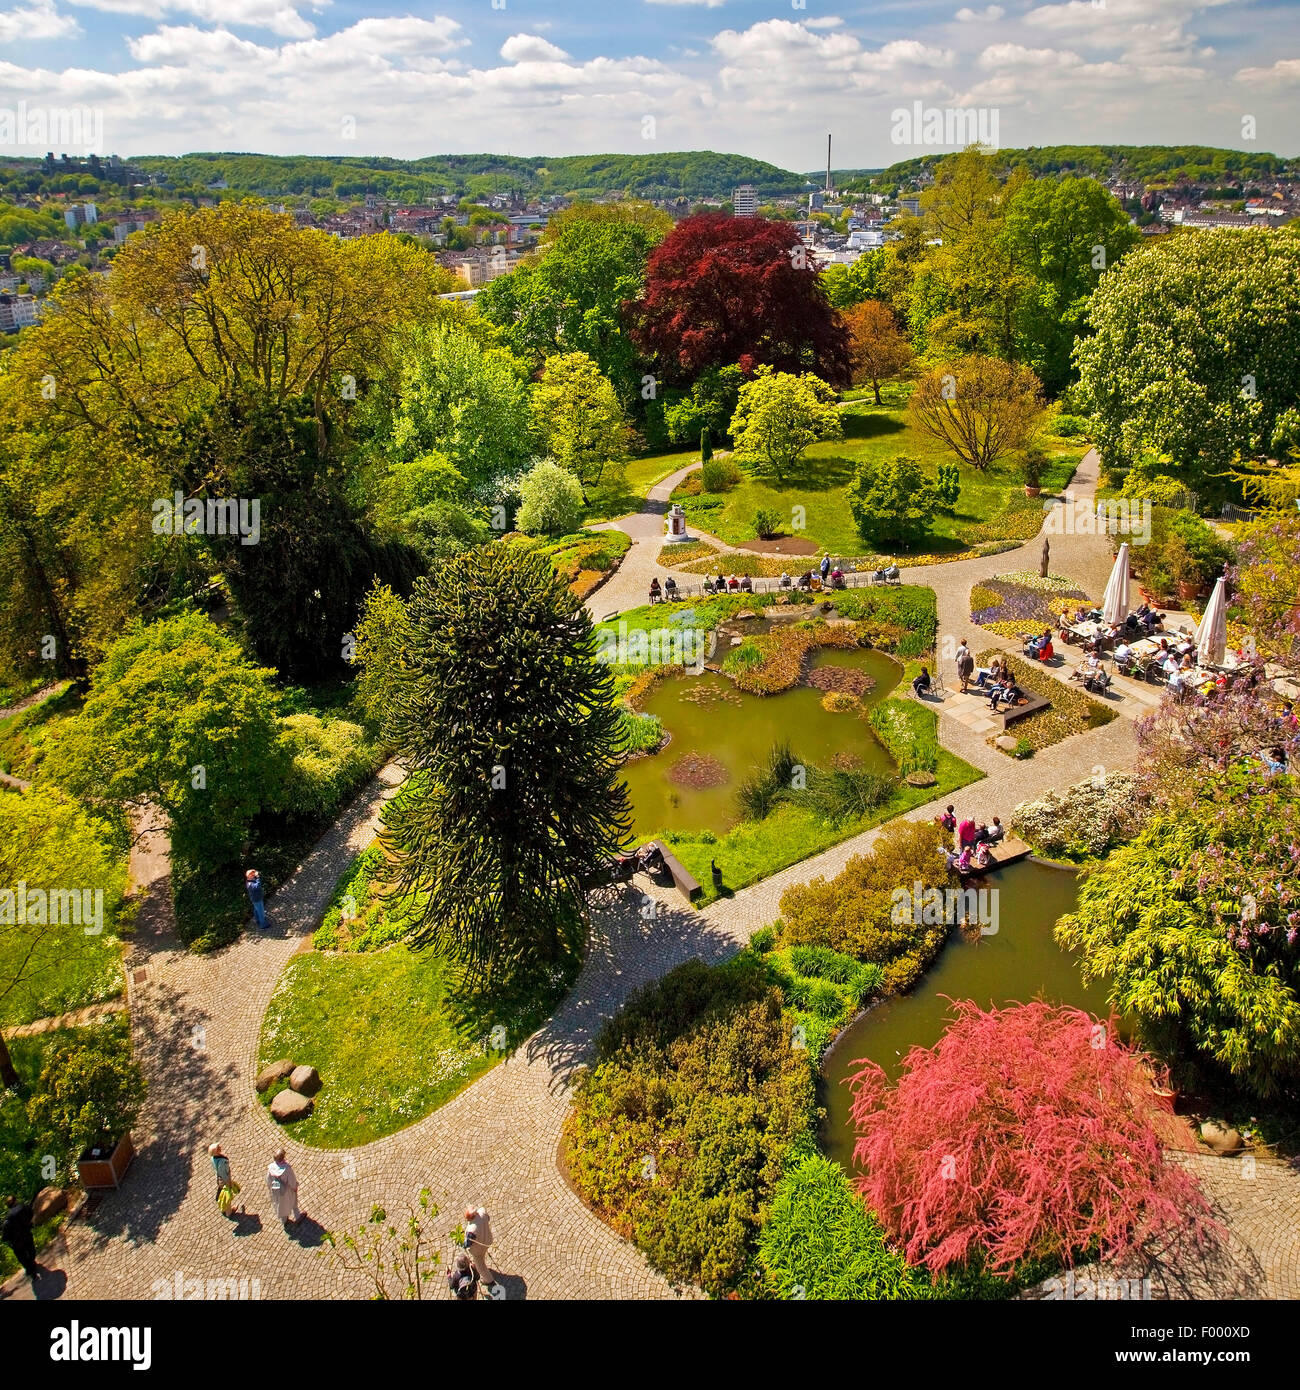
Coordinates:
<point>282,1184</point>
<point>478,1237</point>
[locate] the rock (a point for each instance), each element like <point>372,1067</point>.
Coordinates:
<point>50,1201</point>
<point>745,616</point>
<point>920,779</point>
<point>289,1106</point>
<point>1220,1138</point>
<point>277,1071</point>
<point>1006,743</point>
<point>305,1080</point>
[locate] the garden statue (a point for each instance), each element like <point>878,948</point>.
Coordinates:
<point>1047,552</point>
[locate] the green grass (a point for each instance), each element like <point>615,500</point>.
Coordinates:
<point>378,1028</point>
<point>624,489</point>
<point>25,737</point>
<point>991,506</point>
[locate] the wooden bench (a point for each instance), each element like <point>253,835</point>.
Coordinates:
<point>686,883</point>
<point>1017,712</point>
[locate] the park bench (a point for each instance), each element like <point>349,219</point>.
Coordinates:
<point>686,883</point>
<point>1031,705</point>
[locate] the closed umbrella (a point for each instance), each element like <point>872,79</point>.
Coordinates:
<point>1114,607</point>
<point>1212,634</point>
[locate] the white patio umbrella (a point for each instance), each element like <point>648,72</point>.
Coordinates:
<point>1212,634</point>
<point>1114,607</point>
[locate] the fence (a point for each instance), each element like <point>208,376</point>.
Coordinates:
<point>853,579</point>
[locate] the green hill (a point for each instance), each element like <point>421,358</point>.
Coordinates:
<point>688,174</point>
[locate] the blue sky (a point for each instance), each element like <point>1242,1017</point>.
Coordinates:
<point>762,77</point>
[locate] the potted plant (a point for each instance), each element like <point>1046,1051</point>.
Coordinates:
<point>1032,463</point>
<point>1183,569</point>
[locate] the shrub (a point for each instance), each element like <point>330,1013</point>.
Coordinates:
<point>767,522</point>
<point>662,1139</point>
<point>643,733</point>
<point>947,486</point>
<point>853,913</point>
<point>891,502</point>
<point>841,795</point>
<point>1018,1137</point>
<point>1069,426</point>
<point>901,620</point>
<point>550,501</point>
<point>1083,821</point>
<point>758,794</point>
<point>89,1093</point>
<point>326,763</point>
<point>821,1242</point>
<point>719,475</point>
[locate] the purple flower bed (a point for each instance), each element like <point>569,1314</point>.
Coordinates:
<point>1023,605</point>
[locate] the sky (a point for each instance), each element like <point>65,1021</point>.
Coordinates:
<point>767,78</point>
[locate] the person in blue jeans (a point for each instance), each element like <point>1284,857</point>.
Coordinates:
<point>253,887</point>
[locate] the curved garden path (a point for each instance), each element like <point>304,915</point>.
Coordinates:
<point>196,1021</point>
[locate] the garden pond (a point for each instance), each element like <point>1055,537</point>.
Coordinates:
<point>718,736</point>
<point>1018,963</point>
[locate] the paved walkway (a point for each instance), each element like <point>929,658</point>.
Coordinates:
<point>196,1021</point>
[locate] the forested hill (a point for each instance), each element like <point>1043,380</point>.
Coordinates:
<point>690,174</point>
<point>1151,165</point>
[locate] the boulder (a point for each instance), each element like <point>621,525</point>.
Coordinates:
<point>1006,743</point>
<point>920,779</point>
<point>277,1071</point>
<point>1220,1138</point>
<point>289,1106</point>
<point>305,1080</point>
<point>49,1202</point>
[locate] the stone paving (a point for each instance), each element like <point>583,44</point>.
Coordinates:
<point>196,1021</point>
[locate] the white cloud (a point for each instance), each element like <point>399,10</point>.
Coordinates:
<point>1285,70</point>
<point>989,15</point>
<point>37,21</point>
<point>707,4</point>
<point>528,48</point>
<point>280,17</point>
<point>1001,56</point>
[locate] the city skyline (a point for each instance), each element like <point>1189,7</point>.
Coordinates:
<point>761,79</point>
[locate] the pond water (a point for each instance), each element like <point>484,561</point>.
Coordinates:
<point>706,716</point>
<point>1020,963</point>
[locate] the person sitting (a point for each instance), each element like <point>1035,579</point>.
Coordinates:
<point>837,578</point>
<point>655,592</point>
<point>785,580</point>
<point>747,585</point>
<point>996,831</point>
<point>1275,761</point>
<point>805,580</point>
<point>708,584</point>
<point>1123,654</point>
<point>948,820</point>
<point>921,685</point>
<point>1097,682</point>
<point>733,585</point>
<point>670,587</point>
<point>1008,693</point>
<point>983,856</point>
<point>981,834</point>
<point>989,675</point>
<point>649,858</point>
<point>886,575</point>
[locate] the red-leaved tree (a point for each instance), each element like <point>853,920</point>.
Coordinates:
<point>1026,1132</point>
<point>723,291</point>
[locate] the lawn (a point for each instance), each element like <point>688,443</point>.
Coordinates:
<point>582,559</point>
<point>26,735</point>
<point>378,1028</point>
<point>624,488</point>
<point>991,506</point>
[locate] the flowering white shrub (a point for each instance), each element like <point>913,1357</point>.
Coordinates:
<point>1083,821</point>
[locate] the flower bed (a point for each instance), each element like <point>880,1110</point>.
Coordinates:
<point>1071,711</point>
<point>1012,604</point>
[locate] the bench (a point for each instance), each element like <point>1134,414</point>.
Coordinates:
<point>1032,705</point>
<point>686,883</point>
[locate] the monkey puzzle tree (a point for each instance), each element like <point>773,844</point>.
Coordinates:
<point>504,715</point>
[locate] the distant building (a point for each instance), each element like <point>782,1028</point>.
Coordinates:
<point>816,201</point>
<point>910,205</point>
<point>80,213</point>
<point>18,311</point>
<point>1202,220</point>
<point>744,201</point>
<point>480,267</point>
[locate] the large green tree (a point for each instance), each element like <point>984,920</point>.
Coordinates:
<point>506,720</point>
<point>1195,354</point>
<point>779,415</point>
<point>177,716</point>
<point>1193,924</point>
<point>579,417</point>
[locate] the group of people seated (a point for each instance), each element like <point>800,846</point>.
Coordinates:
<point>997,682</point>
<point>734,584</point>
<point>666,593</point>
<point>1092,674</point>
<point>1040,647</point>
<point>974,841</point>
<point>890,574</point>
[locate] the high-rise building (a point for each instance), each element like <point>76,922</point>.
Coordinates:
<point>744,201</point>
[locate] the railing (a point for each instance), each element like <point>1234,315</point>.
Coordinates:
<point>858,579</point>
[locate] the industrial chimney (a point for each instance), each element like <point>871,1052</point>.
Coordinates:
<point>828,163</point>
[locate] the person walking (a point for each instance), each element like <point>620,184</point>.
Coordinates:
<point>227,1187</point>
<point>16,1232</point>
<point>478,1238</point>
<point>253,887</point>
<point>282,1184</point>
<point>965,666</point>
<point>462,1277</point>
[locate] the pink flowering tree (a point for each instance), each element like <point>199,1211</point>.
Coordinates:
<point>1025,1133</point>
